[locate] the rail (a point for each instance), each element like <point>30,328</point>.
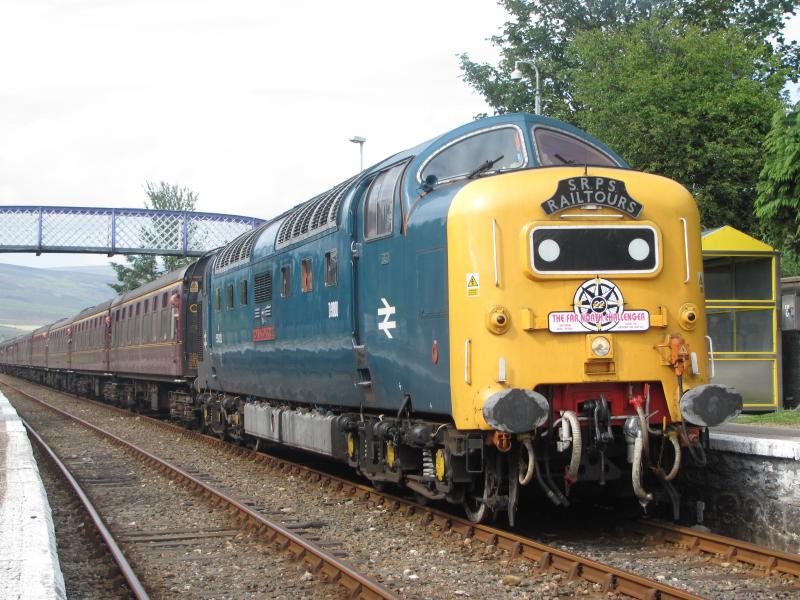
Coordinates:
<point>136,587</point>
<point>329,567</point>
<point>732,550</point>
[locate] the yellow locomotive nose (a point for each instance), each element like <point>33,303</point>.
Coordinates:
<point>569,297</point>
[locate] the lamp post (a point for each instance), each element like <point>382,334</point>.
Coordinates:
<point>516,75</point>
<point>357,139</point>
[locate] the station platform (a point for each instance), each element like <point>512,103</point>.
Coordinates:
<point>29,567</point>
<point>777,442</point>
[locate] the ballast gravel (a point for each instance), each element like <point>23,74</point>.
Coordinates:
<point>177,543</point>
<point>411,558</point>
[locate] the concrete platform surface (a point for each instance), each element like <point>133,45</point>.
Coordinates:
<point>29,567</point>
<point>778,442</point>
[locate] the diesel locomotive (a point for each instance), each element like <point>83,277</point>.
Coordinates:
<point>505,305</point>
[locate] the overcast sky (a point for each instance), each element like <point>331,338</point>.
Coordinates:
<point>248,103</point>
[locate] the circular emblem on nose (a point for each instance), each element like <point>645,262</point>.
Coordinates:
<point>598,304</point>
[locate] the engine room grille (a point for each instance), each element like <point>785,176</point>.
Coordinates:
<point>237,252</point>
<point>263,287</point>
<point>314,216</point>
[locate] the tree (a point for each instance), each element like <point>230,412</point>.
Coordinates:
<point>778,203</point>
<point>681,102</point>
<point>681,88</point>
<point>542,30</point>
<point>143,268</point>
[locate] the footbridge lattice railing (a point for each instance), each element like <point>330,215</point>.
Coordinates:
<point>45,229</point>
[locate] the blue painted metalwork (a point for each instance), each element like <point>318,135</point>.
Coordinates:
<point>73,229</point>
<point>329,342</point>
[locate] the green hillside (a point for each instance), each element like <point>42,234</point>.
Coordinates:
<point>31,297</point>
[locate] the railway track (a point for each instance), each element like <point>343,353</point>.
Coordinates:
<point>104,535</point>
<point>725,549</point>
<point>546,557</point>
<point>159,532</point>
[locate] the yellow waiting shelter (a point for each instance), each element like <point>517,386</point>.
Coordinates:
<point>741,278</point>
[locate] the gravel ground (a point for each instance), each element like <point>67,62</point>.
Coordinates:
<point>405,555</point>
<point>88,569</point>
<point>178,544</point>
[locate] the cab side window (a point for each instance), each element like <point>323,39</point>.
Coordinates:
<point>379,205</point>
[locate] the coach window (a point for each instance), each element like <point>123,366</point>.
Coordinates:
<point>164,319</point>
<point>243,298</point>
<point>331,269</point>
<point>286,281</point>
<point>306,275</point>
<point>558,148</point>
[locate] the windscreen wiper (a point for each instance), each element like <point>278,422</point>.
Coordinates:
<point>484,167</point>
<point>566,161</point>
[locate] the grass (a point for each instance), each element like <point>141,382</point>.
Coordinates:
<point>781,418</point>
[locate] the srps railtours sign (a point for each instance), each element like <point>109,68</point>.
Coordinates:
<point>596,191</point>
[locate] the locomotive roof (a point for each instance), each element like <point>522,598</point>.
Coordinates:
<point>320,213</point>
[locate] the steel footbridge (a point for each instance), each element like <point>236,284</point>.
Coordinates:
<point>72,229</point>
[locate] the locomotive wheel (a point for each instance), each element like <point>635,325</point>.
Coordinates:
<point>476,499</point>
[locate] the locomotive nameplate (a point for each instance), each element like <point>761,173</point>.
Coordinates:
<point>598,306</point>
<point>592,191</point>
<point>264,334</point>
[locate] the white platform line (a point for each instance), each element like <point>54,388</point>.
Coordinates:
<point>29,567</point>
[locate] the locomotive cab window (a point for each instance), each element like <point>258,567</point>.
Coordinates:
<point>558,148</point>
<point>331,269</point>
<point>592,250</point>
<point>503,148</point>
<point>306,275</point>
<point>379,205</point>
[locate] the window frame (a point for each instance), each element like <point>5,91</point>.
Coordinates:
<point>230,296</point>
<point>466,136</point>
<point>244,292</point>
<point>402,166</point>
<point>327,262</point>
<point>306,275</point>
<point>614,162</point>
<point>286,283</point>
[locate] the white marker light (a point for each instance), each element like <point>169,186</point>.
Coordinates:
<point>600,346</point>
<point>549,250</point>
<point>639,249</point>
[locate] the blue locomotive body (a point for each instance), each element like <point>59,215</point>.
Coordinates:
<point>357,311</point>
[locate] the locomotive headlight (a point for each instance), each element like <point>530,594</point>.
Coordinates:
<point>638,249</point>
<point>601,346</point>
<point>549,250</point>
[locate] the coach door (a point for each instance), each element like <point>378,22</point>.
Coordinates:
<point>377,260</point>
